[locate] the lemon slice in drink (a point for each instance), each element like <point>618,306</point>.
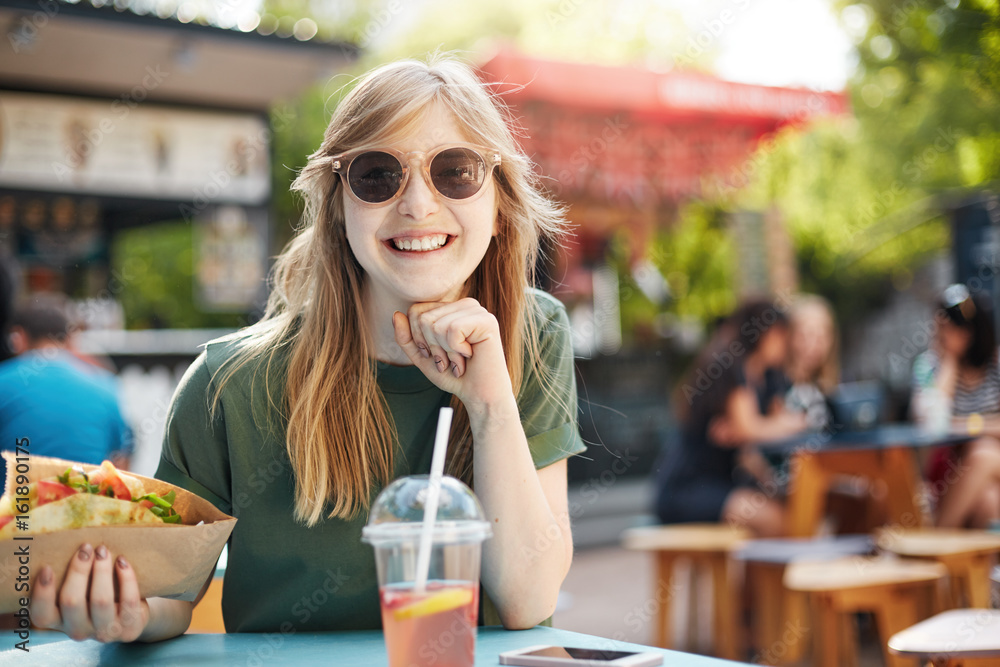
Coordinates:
<point>445,600</point>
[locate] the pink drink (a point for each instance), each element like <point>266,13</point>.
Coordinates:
<point>436,628</point>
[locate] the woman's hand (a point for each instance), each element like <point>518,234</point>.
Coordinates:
<point>457,346</point>
<point>85,606</point>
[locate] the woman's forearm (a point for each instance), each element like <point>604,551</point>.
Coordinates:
<point>529,554</point>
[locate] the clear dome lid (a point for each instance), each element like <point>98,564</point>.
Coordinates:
<point>398,513</point>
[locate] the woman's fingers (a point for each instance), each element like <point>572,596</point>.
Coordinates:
<point>453,331</point>
<point>422,316</point>
<point>85,605</point>
<point>448,331</point>
<point>73,595</point>
<point>132,611</point>
<point>102,597</point>
<point>44,610</point>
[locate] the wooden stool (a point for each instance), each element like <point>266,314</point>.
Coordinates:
<point>779,626</point>
<point>707,546</point>
<point>894,590</point>
<point>960,637</point>
<point>968,555</point>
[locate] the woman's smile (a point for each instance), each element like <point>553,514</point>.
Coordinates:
<point>419,244</point>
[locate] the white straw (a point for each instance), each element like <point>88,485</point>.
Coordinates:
<point>433,493</point>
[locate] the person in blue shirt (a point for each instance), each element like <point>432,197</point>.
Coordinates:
<point>65,407</point>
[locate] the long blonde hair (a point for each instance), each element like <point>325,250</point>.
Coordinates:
<point>827,375</point>
<point>340,436</point>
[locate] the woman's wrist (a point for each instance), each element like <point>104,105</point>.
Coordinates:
<point>489,416</point>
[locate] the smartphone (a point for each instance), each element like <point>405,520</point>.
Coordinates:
<point>554,656</point>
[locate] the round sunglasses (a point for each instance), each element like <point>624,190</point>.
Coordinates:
<point>377,176</point>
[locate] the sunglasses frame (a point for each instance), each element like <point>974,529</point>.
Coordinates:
<point>341,164</point>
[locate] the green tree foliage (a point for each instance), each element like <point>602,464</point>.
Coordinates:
<point>865,198</point>
<point>156,265</point>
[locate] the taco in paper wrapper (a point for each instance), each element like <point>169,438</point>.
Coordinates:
<point>172,544</point>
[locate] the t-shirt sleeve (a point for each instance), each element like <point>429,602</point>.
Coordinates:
<point>195,453</point>
<point>547,400</point>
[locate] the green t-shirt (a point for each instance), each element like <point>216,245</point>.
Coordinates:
<point>281,575</point>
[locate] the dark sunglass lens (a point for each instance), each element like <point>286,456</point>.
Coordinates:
<point>375,176</point>
<point>458,173</point>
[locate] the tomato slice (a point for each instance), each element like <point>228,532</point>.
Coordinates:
<point>145,503</point>
<point>106,477</point>
<point>49,491</point>
<point>118,488</point>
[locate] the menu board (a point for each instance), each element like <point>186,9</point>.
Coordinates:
<point>124,148</point>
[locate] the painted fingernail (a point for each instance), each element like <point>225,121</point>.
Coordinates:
<point>45,576</point>
<point>85,552</point>
<point>455,371</point>
<point>423,351</point>
<point>121,563</point>
<point>439,362</point>
<point>101,552</point>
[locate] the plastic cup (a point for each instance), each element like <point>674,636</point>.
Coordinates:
<point>435,626</point>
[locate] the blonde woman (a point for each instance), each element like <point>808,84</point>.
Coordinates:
<point>407,288</point>
<point>813,365</point>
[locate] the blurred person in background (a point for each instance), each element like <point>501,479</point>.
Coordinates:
<point>64,407</point>
<point>813,366</point>
<point>813,369</point>
<point>960,375</point>
<point>731,400</point>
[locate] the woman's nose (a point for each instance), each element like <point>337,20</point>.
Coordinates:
<point>418,200</point>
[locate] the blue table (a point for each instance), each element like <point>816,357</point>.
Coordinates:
<point>884,455</point>
<point>879,437</point>
<point>364,649</point>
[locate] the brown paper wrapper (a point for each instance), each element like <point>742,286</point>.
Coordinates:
<point>171,560</point>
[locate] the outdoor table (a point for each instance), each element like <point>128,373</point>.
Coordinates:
<point>364,649</point>
<point>885,454</point>
<point>952,638</point>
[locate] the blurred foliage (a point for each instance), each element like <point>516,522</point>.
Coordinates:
<point>157,268</point>
<point>865,198</point>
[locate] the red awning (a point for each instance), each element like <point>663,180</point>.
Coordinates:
<point>671,95</point>
<point>629,136</point>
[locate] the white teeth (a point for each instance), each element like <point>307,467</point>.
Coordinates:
<point>421,245</point>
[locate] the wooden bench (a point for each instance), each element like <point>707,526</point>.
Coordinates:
<point>707,546</point>
<point>779,626</point>
<point>899,592</point>
<point>967,554</point>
